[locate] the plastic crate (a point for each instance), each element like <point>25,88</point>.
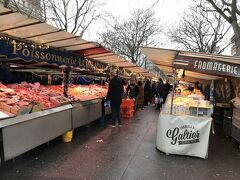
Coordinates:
<point>127,103</point>
<point>127,116</point>
<point>200,111</point>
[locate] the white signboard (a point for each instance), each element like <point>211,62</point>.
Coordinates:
<point>183,135</point>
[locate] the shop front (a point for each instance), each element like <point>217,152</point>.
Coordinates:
<point>185,120</point>
<point>35,113</point>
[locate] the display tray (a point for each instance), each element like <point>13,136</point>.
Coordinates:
<point>5,115</point>
<point>28,117</point>
<point>23,133</point>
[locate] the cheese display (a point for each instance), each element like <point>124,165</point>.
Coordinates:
<point>188,105</point>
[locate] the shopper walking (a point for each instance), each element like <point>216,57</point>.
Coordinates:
<point>147,92</point>
<point>159,94</point>
<point>114,95</point>
<point>154,90</point>
<point>140,97</point>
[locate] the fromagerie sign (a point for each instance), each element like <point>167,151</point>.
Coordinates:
<point>14,49</point>
<point>209,66</point>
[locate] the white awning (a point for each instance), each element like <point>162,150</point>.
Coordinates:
<point>26,28</point>
<point>164,58</point>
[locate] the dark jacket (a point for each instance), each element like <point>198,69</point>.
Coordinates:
<point>159,91</point>
<point>148,89</point>
<point>154,89</point>
<point>166,89</point>
<point>115,91</point>
<point>132,91</point>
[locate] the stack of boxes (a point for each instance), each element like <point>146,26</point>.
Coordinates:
<point>127,108</point>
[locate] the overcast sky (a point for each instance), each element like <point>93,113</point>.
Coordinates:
<point>168,11</point>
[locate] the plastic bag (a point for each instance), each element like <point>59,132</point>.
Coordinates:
<point>158,100</point>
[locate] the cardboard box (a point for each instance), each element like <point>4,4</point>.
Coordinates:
<point>6,107</point>
<point>36,108</point>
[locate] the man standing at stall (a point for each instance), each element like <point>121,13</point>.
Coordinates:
<point>166,90</point>
<point>114,95</point>
<point>147,92</point>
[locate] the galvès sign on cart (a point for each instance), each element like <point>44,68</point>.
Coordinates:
<point>183,135</point>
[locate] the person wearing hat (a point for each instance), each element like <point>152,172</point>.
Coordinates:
<point>114,95</point>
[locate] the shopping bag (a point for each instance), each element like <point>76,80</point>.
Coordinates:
<point>160,100</point>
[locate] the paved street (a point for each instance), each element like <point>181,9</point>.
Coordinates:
<point>123,153</point>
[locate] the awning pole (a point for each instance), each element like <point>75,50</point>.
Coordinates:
<point>174,79</point>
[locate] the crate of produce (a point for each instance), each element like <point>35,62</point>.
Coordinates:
<point>127,103</point>
<point>126,110</point>
<point>127,116</point>
<point>200,111</point>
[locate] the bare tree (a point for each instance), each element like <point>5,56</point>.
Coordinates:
<point>230,11</point>
<point>32,8</point>
<point>74,16</point>
<point>201,31</point>
<point>124,37</point>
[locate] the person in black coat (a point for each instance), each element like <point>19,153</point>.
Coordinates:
<point>114,95</point>
<point>147,92</point>
<point>166,89</point>
<point>159,91</point>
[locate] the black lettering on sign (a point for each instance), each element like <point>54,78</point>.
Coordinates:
<point>208,66</point>
<point>186,134</point>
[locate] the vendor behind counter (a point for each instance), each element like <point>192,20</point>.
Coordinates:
<point>5,74</point>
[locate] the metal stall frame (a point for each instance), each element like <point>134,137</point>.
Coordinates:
<point>23,133</point>
<point>86,112</point>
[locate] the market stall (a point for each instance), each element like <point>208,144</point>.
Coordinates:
<point>31,47</point>
<point>25,106</point>
<point>185,121</point>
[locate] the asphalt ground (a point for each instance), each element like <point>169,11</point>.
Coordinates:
<point>127,153</point>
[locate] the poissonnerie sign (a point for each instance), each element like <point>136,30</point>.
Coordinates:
<point>13,49</point>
